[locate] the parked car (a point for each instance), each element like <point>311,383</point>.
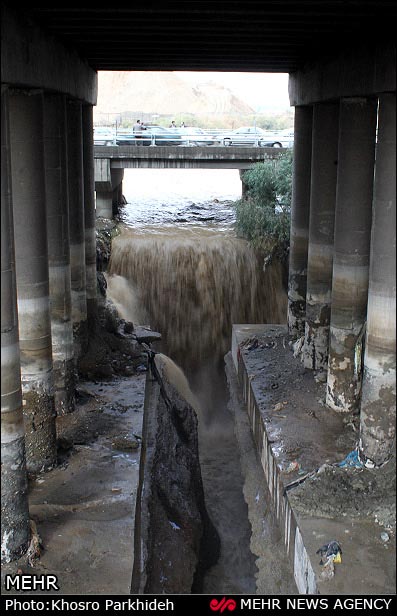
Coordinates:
<point>249,135</point>
<point>104,135</point>
<point>286,137</point>
<point>151,135</point>
<point>192,135</point>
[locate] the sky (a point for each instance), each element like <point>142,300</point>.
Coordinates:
<point>262,91</point>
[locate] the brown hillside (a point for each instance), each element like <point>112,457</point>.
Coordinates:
<point>162,93</point>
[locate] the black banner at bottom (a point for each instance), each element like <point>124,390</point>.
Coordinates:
<point>198,604</point>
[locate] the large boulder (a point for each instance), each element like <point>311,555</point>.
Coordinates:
<point>173,529</point>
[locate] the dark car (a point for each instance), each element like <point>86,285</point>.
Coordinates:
<point>151,135</point>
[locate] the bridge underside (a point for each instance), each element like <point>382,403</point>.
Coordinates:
<point>276,36</point>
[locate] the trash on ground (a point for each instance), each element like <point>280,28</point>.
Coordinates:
<point>352,460</point>
<point>331,554</point>
<point>280,406</point>
<point>35,546</point>
<point>292,466</point>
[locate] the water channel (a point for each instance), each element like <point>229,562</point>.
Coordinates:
<point>179,267</point>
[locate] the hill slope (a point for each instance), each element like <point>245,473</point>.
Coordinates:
<point>162,93</point>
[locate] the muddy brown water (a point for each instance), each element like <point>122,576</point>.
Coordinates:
<point>191,283</point>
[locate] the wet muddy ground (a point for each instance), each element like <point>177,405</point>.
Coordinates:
<point>355,506</point>
<point>84,508</point>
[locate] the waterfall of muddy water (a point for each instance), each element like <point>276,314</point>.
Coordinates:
<point>178,267</point>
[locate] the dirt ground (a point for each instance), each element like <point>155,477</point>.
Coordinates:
<point>355,506</point>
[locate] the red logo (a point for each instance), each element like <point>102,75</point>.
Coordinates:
<point>222,605</point>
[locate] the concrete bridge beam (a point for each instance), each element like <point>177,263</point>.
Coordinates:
<point>321,234</point>
<point>55,147</point>
<point>15,528</point>
<point>300,209</point>
<point>89,213</point>
<point>356,157</point>
<point>378,403</point>
<point>77,227</point>
<point>30,218</point>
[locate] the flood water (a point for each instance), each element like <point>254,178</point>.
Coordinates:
<point>178,267</point>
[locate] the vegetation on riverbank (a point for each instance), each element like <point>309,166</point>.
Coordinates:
<point>263,214</point>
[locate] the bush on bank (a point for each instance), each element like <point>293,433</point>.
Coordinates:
<point>263,215</point>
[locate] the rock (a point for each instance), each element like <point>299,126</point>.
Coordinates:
<point>101,284</point>
<point>111,317</point>
<point>128,370</point>
<point>321,376</point>
<point>103,371</point>
<point>145,334</point>
<point>124,443</point>
<point>181,542</point>
<point>128,327</point>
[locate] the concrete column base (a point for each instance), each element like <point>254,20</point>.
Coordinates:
<point>15,529</point>
<point>39,420</point>
<point>378,414</point>
<point>344,369</point>
<point>104,204</point>
<point>65,385</point>
<point>80,338</point>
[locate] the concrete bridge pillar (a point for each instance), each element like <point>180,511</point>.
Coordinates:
<point>104,204</point>
<point>15,528</point>
<point>103,188</point>
<point>30,218</point>
<point>77,227</point>
<point>356,156</point>
<point>378,402</point>
<point>244,185</point>
<point>89,212</point>
<point>300,209</point>
<point>116,177</point>
<point>321,234</point>
<point>55,147</point>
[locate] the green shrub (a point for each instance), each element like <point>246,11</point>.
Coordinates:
<point>263,216</point>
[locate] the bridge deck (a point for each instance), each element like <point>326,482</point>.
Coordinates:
<point>218,157</point>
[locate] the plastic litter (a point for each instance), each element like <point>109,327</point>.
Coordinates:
<point>330,551</point>
<point>331,554</point>
<point>352,460</point>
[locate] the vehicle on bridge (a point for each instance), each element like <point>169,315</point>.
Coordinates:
<point>193,135</point>
<point>250,135</point>
<point>151,135</point>
<point>104,135</point>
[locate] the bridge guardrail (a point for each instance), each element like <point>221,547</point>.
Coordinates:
<point>207,138</point>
